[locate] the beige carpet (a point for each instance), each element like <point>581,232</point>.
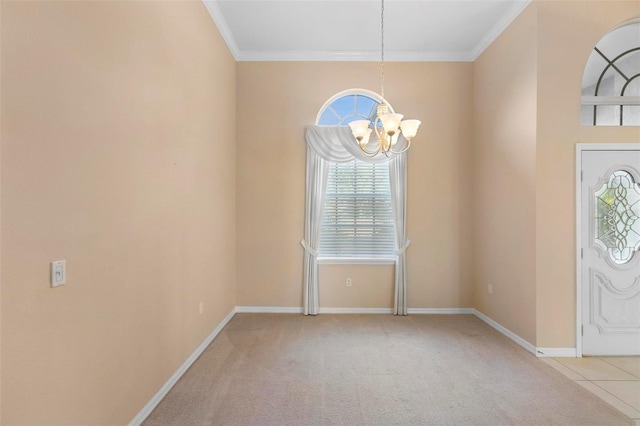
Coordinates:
<point>279,369</point>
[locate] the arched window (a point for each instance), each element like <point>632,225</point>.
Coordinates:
<point>611,80</point>
<point>355,211</point>
<point>357,220</point>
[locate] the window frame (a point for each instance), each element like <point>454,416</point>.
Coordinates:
<point>390,258</point>
<point>621,100</point>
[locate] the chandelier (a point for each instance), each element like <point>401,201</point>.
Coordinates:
<point>387,126</point>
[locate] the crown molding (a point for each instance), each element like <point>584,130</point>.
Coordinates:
<point>323,56</point>
<point>223,27</point>
<point>505,20</point>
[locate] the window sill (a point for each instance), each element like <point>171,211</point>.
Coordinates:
<point>356,261</point>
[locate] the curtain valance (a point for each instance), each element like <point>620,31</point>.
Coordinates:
<point>337,144</point>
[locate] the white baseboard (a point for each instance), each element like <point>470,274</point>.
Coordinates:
<point>355,310</point>
<point>144,413</point>
<point>556,352</point>
<point>299,310</point>
<point>440,311</point>
<point>269,310</point>
<point>508,333</point>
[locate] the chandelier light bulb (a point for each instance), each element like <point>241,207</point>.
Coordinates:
<point>409,128</point>
<point>390,123</point>
<point>365,140</point>
<point>360,130</point>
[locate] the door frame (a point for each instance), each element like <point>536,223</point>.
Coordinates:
<point>580,148</point>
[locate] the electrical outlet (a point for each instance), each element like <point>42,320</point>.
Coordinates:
<point>348,282</point>
<point>490,288</point>
<point>58,273</point>
<point>201,308</point>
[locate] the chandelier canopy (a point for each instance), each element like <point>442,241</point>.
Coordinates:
<point>387,126</point>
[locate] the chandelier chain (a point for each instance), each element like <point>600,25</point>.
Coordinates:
<point>388,126</point>
<point>382,50</point>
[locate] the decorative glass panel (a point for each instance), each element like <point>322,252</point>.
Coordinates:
<point>607,115</point>
<point>344,105</point>
<point>631,115</point>
<point>586,113</point>
<point>617,217</point>
<point>329,118</point>
<point>630,64</point>
<point>592,71</point>
<point>633,87</point>
<point>366,106</point>
<point>611,83</point>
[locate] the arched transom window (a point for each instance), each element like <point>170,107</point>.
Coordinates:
<point>611,80</point>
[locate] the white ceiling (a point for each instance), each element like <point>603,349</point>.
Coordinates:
<point>349,30</point>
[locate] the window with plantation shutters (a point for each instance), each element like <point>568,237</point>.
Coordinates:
<point>357,219</point>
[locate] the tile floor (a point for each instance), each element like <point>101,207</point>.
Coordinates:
<point>614,379</point>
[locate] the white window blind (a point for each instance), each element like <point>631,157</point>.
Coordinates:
<point>357,219</point>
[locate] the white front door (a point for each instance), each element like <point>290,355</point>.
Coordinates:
<point>610,264</point>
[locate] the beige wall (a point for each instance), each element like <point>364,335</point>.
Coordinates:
<point>532,73</point>
<point>118,155</point>
<point>371,286</point>
<point>504,177</point>
<point>567,32</point>
<point>279,100</point>
<point>119,142</point>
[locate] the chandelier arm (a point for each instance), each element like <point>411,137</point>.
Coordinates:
<point>377,123</point>
<point>369,153</point>
<point>403,150</point>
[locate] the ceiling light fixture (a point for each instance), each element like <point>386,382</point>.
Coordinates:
<point>387,126</point>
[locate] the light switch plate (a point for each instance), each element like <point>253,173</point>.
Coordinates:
<point>58,273</point>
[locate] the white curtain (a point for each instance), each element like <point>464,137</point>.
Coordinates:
<point>398,180</point>
<point>317,172</point>
<point>327,144</point>
<point>337,144</point>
